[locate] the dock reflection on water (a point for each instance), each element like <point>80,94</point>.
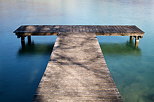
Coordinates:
<point>126,48</point>
<point>36,49</point>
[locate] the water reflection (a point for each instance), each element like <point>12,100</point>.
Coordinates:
<point>36,49</point>
<point>30,70</point>
<point>127,48</point>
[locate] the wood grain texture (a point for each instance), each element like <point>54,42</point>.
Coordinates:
<point>77,72</point>
<point>116,30</point>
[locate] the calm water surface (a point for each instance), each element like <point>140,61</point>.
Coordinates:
<point>22,69</point>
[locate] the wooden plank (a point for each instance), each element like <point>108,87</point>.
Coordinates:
<point>115,30</point>
<point>77,72</point>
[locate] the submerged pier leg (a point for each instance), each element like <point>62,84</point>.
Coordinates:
<point>29,40</point>
<point>131,38</point>
<point>23,41</point>
<point>136,41</point>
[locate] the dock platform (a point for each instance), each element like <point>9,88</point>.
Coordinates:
<point>106,30</point>
<point>103,30</point>
<point>77,71</point>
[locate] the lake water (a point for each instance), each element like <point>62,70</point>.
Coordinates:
<point>22,69</point>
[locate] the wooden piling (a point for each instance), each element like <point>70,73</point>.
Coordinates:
<point>22,41</point>
<point>136,41</point>
<point>29,40</point>
<point>131,38</point>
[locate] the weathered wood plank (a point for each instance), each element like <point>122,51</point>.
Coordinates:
<point>77,72</point>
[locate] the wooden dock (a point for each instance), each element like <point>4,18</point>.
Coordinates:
<point>108,30</point>
<point>77,71</point>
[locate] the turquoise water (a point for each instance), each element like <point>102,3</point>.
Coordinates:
<point>22,69</point>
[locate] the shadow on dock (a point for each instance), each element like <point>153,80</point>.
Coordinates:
<point>36,49</point>
<point>127,48</point>
<point>77,72</point>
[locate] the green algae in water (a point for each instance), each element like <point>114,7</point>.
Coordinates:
<point>131,71</point>
<point>127,48</point>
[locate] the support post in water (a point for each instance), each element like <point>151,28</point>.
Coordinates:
<point>29,40</point>
<point>23,41</point>
<point>131,38</point>
<point>136,41</point>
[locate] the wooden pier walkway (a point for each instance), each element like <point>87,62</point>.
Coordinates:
<point>77,71</point>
